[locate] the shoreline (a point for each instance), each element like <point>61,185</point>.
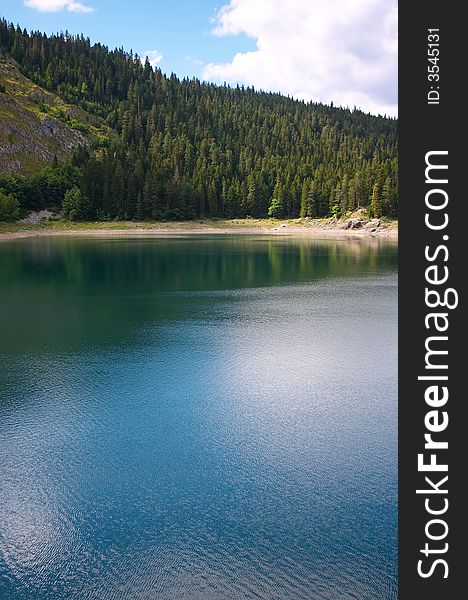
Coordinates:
<point>229,227</point>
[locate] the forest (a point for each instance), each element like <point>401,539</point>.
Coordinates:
<point>183,149</point>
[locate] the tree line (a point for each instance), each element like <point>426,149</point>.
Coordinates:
<point>181,149</point>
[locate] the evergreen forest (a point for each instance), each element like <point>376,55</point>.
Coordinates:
<point>183,149</point>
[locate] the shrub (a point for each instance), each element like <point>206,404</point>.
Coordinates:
<point>9,207</point>
<point>79,126</point>
<point>72,204</point>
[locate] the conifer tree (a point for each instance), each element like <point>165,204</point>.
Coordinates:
<point>375,203</point>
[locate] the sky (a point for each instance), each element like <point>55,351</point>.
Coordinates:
<point>340,51</point>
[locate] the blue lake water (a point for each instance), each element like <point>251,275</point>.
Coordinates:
<point>204,417</point>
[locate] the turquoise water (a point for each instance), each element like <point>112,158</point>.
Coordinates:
<point>198,418</point>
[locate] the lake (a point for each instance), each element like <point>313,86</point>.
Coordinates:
<point>198,417</point>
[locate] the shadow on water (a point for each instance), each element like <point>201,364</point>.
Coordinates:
<point>74,291</point>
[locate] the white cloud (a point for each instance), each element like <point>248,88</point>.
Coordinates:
<point>57,5</point>
<point>153,56</point>
<point>194,60</point>
<point>343,51</point>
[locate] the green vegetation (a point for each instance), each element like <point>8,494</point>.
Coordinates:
<point>59,113</point>
<point>73,205</point>
<point>275,209</point>
<point>9,207</point>
<point>186,149</point>
<point>45,189</point>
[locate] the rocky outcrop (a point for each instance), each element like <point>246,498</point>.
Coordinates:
<point>353,224</point>
<point>369,225</point>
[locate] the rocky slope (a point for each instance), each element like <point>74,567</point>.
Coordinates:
<point>36,125</point>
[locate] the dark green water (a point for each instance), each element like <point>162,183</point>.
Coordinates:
<point>198,418</point>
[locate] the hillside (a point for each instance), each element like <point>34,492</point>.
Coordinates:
<point>36,126</point>
<point>183,148</point>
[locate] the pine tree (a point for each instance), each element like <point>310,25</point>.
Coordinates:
<point>276,208</point>
<point>375,203</point>
<point>312,201</point>
<point>304,194</point>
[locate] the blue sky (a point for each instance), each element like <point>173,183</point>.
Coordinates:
<point>179,30</point>
<point>343,51</point>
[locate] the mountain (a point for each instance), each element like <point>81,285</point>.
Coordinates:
<point>144,145</point>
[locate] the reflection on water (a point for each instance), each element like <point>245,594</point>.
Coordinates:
<point>210,417</point>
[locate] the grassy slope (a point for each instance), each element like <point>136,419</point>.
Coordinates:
<point>36,125</point>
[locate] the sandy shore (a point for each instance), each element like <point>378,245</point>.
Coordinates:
<point>193,228</point>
